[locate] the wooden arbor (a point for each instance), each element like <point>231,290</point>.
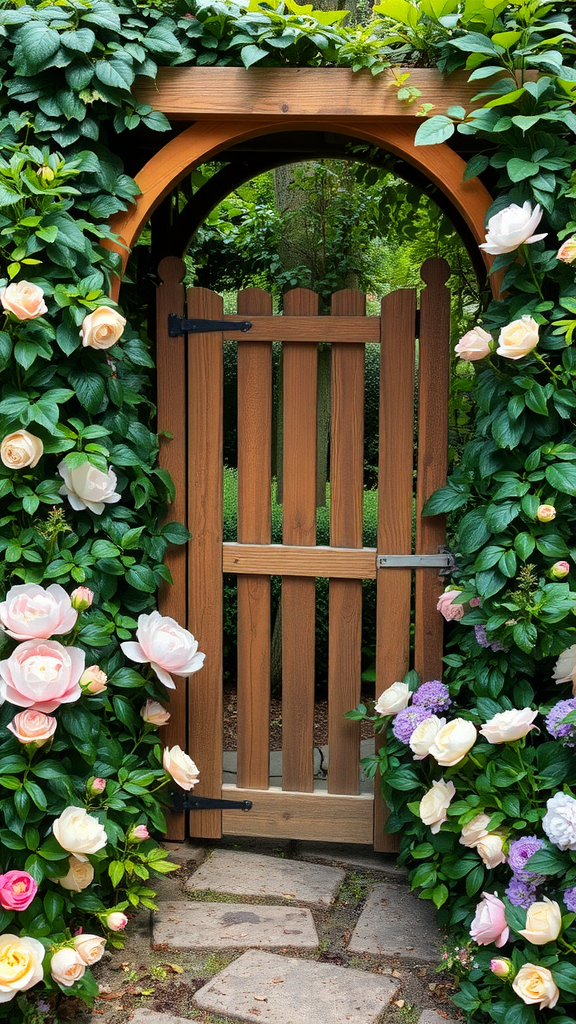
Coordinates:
<point>227,107</point>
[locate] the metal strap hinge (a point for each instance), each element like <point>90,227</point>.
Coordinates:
<point>177,326</point>
<point>442,560</point>
<point>206,803</point>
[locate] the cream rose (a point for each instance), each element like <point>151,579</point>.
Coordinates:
<point>67,967</point>
<point>181,767</point>
<point>20,965</point>
<point>453,742</point>
<point>511,227</point>
<point>518,338</point>
<point>154,713</point>
<point>543,922</point>
<point>24,300</point>
<point>93,680</point>
<point>80,875</point>
<point>31,612</point>
<point>507,726</point>
<point>565,668</point>
<point>536,985</point>
<point>102,328</point>
<point>567,251</point>
<point>90,948</point>
<point>490,849</point>
<point>424,735</point>
<point>79,832</point>
<point>21,449</point>
<point>473,345</point>
<point>393,700</point>
<point>33,727</point>
<point>88,487</point>
<point>167,646</point>
<point>475,830</point>
<point>435,803</point>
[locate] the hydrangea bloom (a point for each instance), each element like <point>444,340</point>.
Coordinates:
<point>433,696</point>
<point>482,639</point>
<point>560,730</point>
<point>406,721</point>
<point>520,892</point>
<point>520,851</point>
<point>570,899</point>
<point>559,822</point>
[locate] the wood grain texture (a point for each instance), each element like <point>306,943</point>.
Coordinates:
<point>294,560</point>
<point>434,391</point>
<point>254,525</point>
<point>346,511</point>
<point>300,370</point>
<point>205,387</point>
<point>308,329</point>
<point>395,496</point>
<point>318,816</point>
<point>171,402</point>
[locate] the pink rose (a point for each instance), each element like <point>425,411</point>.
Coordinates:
<point>17,890</point>
<point>32,613</point>
<point>473,345</point>
<point>95,786</point>
<point>489,924</point>
<point>560,570</point>
<point>32,727</point>
<point>154,713</point>
<point>166,645</point>
<point>24,300</point>
<point>42,675</point>
<point>451,610</point>
<point>138,834</point>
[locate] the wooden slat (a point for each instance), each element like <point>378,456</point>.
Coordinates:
<point>254,525</point>
<point>308,329</point>
<point>235,93</point>
<point>205,385</point>
<point>319,816</point>
<point>395,489</point>
<point>346,510</point>
<point>171,400</point>
<point>434,390</point>
<point>292,560</point>
<point>300,369</point>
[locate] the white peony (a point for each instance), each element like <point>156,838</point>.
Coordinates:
<point>559,822</point>
<point>513,226</point>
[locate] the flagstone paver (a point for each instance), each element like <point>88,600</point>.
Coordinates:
<point>144,1016</point>
<point>198,925</point>
<point>431,1017</point>
<point>251,874</point>
<point>272,989</point>
<point>395,922</point>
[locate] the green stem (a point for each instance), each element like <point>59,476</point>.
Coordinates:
<point>545,365</point>
<point>529,264</point>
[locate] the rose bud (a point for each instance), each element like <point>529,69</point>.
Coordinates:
<point>559,570</point>
<point>81,598</point>
<point>93,680</point>
<point>503,968</point>
<point>94,787</point>
<point>567,251</point>
<point>116,921</point>
<point>45,173</point>
<point>546,513</point>
<point>138,834</point>
<point>154,713</point>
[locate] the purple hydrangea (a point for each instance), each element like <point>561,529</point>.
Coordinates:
<point>520,851</point>
<point>482,639</point>
<point>406,721</point>
<point>520,892</point>
<point>564,731</point>
<point>570,899</point>
<point>433,696</point>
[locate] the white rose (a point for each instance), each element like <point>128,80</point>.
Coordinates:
<point>543,922</point>
<point>80,875</point>
<point>78,832</point>
<point>453,742</point>
<point>475,830</point>
<point>393,700</point>
<point>88,487</point>
<point>535,984</point>
<point>90,948</point>
<point>518,338</point>
<point>490,849</point>
<point>67,967</point>
<point>102,328</point>
<point>508,725</point>
<point>565,668</point>
<point>20,965</point>
<point>513,226</point>
<point>21,449</point>
<point>181,767</point>
<point>473,345</point>
<point>424,735</point>
<point>435,803</point>
<point>559,822</point>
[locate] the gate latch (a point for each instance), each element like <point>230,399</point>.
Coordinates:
<point>177,326</point>
<point>206,803</point>
<point>442,560</point>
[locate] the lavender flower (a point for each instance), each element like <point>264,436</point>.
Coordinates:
<point>406,721</point>
<point>520,851</point>
<point>520,892</point>
<point>482,639</point>
<point>564,731</point>
<point>570,899</point>
<point>433,696</point>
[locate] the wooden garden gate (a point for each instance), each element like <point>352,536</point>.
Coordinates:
<point>414,383</point>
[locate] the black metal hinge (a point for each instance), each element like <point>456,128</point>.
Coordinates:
<point>177,326</point>
<point>205,803</point>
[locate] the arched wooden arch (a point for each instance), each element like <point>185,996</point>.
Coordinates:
<point>205,139</point>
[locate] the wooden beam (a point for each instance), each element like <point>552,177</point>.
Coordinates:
<point>296,560</point>
<point>319,816</point>
<point>313,329</point>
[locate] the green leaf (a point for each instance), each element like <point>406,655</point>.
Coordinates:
<point>472,531</point>
<point>36,43</point>
<point>434,130</point>
<point>519,169</point>
<point>562,477</point>
<point>525,635</point>
<point>89,390</point>
<point>116,872</point>
<point>524,544</point>
<point>141,577</point>
<point>476,165</point>
<point>252,54</point>
<point>82,40</point>
<point>564,975</point>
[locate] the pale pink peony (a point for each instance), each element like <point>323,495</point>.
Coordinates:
<point>167,646</point>
<point>489,924</point>
<point>32,727</point>
<point>448,606</point>
<point>42,675</point>
<point>24,300</point>
<point>31,612</point>
<point>17,890</point>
